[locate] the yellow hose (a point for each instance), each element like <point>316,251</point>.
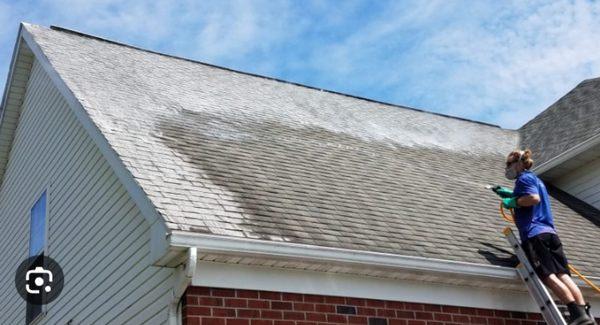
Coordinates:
<point>511,219</point>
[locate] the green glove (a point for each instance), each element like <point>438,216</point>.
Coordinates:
<point>510,202</point>
<point>503,192</point>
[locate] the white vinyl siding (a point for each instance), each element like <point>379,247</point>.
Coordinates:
<point>583,183</point>
<point>95,231</point>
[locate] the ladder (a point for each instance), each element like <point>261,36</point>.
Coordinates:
<point>536,288</point>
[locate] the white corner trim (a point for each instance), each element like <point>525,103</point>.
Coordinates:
<point>183,278</point>
<point>252,247</point>
<point>566,155</point>
<point>132,187</point>
<point>236,276</point>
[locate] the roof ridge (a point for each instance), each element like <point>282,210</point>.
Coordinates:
<point>66,30</point>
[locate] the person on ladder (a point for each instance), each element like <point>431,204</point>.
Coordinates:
<point>539,238</point>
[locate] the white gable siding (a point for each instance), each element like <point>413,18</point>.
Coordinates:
<point>95,232</point>
<point>583,183</point>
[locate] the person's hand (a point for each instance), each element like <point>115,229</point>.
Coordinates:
<point>510,203</point>
<point>502,192</point>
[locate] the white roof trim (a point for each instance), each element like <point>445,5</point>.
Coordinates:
<point>251,247</point>
<point>566,155</point>
<point>11,70</point>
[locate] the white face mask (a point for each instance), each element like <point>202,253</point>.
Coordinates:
<point>511,172</point>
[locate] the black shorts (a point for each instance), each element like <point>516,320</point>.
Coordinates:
<point>545,253</point>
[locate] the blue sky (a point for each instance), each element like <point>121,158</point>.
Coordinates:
<point>499,62</point>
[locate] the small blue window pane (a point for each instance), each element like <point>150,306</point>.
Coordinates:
<point>37,232</point>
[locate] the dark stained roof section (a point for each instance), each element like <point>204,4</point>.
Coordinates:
<point>570,121</point>
<point>234,154</point>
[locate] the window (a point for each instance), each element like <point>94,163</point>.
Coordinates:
<point>37,246</point>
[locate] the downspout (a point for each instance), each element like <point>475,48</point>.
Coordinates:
<point>183,278</point>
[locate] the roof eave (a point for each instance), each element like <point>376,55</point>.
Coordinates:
<point>566,155</point>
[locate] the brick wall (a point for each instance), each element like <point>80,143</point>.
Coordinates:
<point>215,306</point>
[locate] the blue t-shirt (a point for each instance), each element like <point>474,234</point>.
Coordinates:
<point>536,219</point>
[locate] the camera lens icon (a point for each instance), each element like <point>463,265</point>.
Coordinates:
<point>38,273</point>
<point>39,280</point>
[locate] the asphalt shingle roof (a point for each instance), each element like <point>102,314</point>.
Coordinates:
<point>573,119</point>
<point>232,154</point>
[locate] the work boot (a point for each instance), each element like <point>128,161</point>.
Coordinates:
<point>578,315</point>
<point>589,313</point>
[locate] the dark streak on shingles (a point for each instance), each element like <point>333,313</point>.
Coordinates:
<point>301,183</point>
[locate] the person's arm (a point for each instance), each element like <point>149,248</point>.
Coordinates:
<point>528,200</point>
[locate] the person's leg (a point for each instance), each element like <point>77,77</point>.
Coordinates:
<point>573,288</point>
<point>559,288</point>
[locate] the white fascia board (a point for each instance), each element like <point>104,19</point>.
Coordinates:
<point>11,70</point>
<point>566,155</point>
<point>133,188</point>
<point>252,247</point>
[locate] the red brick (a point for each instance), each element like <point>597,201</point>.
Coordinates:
<point>213,321</point>
<point>442,317</point>
<point>281,305</point>
<point>512,321</point>
<point>234,302</point>
<point>316,317</point>
<point>283,322</point>
<point>395,321</point>
<point>222,292</point>
<point>416,322</point>
<point>366,311</point>
<point>192,321</point>
<point>502,313</point>
<point>271,295</point>
<point>485,312</point>
<point>323,308</point>
<point>292,296</point>
<point>198,311</point>
<point>305,323</point>
<point>198,291</point>
<point>468,311</point>
<point>357,319</point>
<point>355,301</point>
<point>260,322</point>
<point>335,300</point>
<point>451,309</point>
<point>394,304</point>
<point>460,319</point>
<point>258,304</point>
<point>293,315</point>
<point>247,293</point>
<point>424,315</point>
<point>478,320</point>
<point>495,321</point>
<point>237,321</point>
<point>432,322</point>
<point>518,314</point>
<point>336,318</point>
<point>248,313</point>
<point>191,300</point>
<point>413,306</point>
<point>274,314</point>
<point>314,298</point>
<point>375,303</point>
<point>210,301</point>
<point>405,314</point>
<point>386,312</point>
<point>528,322</point>
<point>223,312</point>
<point>304,306</point>
<point>436,308</point>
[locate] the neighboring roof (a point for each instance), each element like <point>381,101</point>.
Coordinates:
<point>572,120</point>
<point>233,154</point>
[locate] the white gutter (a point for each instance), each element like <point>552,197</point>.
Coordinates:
<point>183,278</point>
<point>252,247</point>
<point>566,155</point>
